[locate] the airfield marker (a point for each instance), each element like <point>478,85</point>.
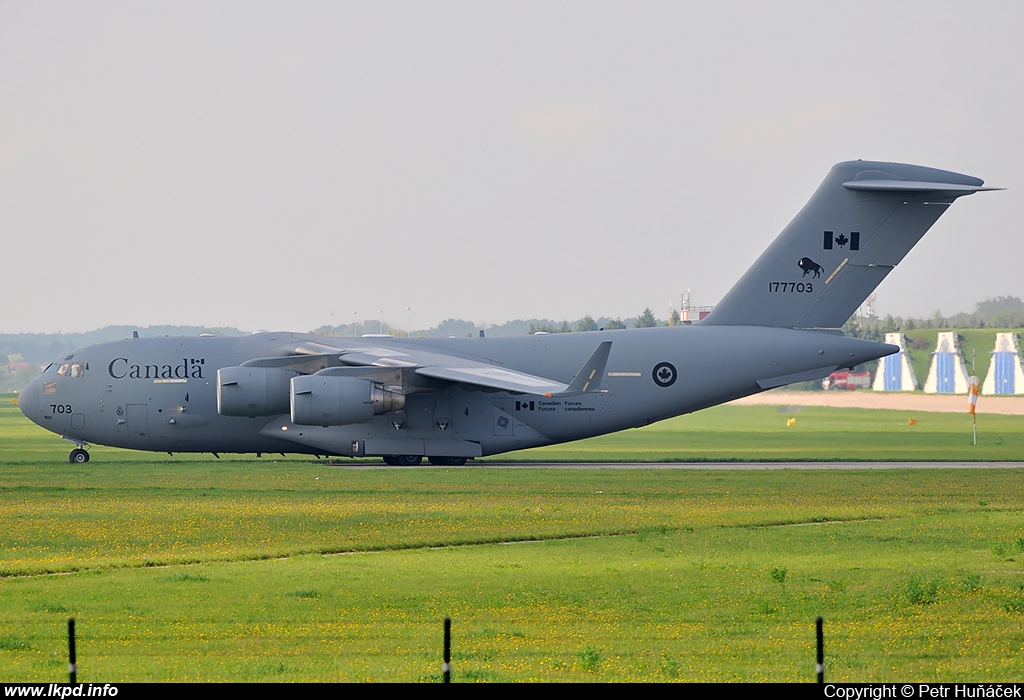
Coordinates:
<point>972,389</point>
<point>72,668</point>
<point>972,397</point>
<point>820,667</point>
<point>446,669</point>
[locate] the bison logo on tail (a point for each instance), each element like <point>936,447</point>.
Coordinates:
<point>808,265</point>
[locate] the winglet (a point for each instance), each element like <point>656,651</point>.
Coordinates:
<point>588,379</point>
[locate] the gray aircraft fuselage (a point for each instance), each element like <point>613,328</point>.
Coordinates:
<point>458,398</point>
<point>161,393</point>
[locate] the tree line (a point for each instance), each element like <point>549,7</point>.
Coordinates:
<point>23,354</point>
<point>1001,312</point>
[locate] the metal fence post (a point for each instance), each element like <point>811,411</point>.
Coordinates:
<point>72,668</point>
<point>446,670</point>
<point>820,668</point>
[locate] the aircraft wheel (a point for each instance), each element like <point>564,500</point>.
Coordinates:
<point>78,456</point>
<point>390,460</point>
<point>408,460</point>
<point>447,461</point>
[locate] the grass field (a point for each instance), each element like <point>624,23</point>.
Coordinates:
<point>276,570</point>
<point>761,433</point>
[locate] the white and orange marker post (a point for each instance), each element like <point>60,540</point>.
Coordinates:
<point>972,396</point>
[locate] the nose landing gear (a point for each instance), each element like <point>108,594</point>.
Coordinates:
<point>78,455</point>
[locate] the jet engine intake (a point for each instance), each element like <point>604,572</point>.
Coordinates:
<point>331,400</point>
<point>253,391</point>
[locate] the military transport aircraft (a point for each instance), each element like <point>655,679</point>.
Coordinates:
<point>454,399</point>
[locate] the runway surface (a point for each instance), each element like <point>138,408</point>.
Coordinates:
<point>893,400</point>
<point>738,466</point>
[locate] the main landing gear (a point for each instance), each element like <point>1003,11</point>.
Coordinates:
<point>402,460</point>
<point>447,461</point>
<point>415,460</point>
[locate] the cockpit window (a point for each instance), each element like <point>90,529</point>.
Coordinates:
<point>70,369</point>
<point>52,367</point>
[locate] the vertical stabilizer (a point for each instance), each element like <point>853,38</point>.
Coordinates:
<point>861,222</point>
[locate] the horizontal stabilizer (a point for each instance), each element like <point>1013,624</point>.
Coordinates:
<point>935,188</point>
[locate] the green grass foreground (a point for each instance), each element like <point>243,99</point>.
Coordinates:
<point>762,434</point>
<point>241,569</point>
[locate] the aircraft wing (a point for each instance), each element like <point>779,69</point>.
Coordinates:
<point>451,368</point>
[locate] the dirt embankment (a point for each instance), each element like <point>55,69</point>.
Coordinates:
<point>898,401</point>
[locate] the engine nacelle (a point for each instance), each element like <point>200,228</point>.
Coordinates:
<point>329,400</point>
<point>253,391</point>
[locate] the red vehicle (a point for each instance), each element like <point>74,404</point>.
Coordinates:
<point>847,380</point>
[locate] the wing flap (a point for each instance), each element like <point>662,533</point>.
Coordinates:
<point>493,377</point>
<point>587,380</point>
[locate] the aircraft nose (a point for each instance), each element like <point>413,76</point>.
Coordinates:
<point>28,401</point>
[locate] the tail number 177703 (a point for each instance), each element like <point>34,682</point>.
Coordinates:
<point>788,287</point>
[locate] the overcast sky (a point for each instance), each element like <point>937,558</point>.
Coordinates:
<point>285,165</point>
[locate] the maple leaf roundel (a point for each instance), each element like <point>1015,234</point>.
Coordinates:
<point>664,374</point>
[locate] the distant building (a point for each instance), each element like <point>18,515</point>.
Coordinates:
<point>689,313</point>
